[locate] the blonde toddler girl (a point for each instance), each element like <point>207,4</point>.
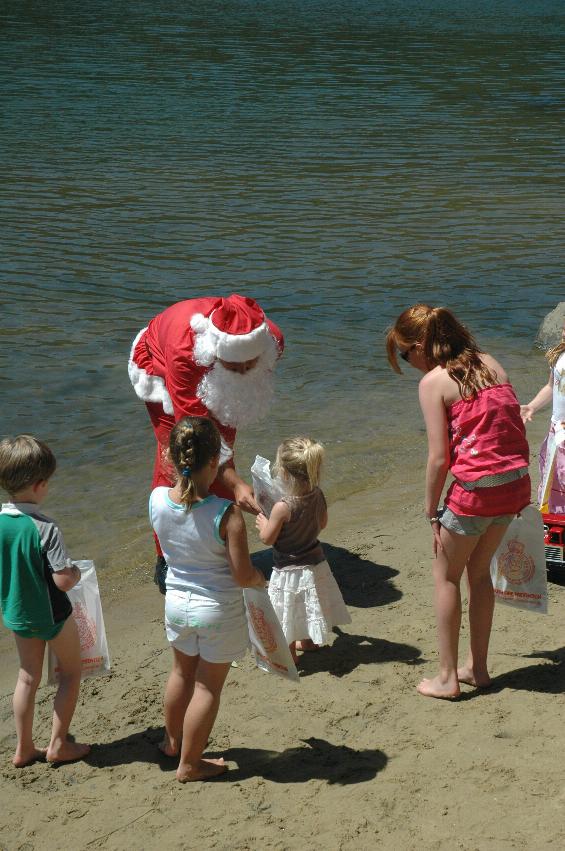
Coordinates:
<point>302,589</point>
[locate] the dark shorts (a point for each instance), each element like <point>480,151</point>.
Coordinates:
<point>48,633</point>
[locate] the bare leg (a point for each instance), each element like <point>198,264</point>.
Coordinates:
<point>178,693</point>
<point>66,647</point>
<point>448,568</point>
<point>481,608</point>
<point>31,652</point>
<point>198,722</point>
<point>292,648</point>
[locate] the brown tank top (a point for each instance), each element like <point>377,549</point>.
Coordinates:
<point>298,542</point>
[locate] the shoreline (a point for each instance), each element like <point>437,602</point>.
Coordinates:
<point>350,757</point>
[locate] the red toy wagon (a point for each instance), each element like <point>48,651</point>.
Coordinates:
<point>554,528</point>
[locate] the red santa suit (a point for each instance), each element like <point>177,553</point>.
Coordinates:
<point>171,361</point>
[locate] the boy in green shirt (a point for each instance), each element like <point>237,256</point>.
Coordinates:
<point>35,573</point>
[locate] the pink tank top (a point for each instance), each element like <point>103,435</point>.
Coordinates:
<point>487,437</point>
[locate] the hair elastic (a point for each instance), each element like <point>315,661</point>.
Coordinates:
<point>186,472</point>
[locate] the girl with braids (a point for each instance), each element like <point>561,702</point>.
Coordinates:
<point>554,391</point>
<point>303,591</point>
<point>475,431</point>
<point>205,544</point>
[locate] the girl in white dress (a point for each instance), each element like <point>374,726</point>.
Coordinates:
<point>553,391</point>
<point>302,589</point>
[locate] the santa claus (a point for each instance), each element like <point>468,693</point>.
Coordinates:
<point>207,357</point>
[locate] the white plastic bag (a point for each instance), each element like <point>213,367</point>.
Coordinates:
<point>518,570</point>
<point>266,489</point>
<point>270,648</point>
<point>87,612</point>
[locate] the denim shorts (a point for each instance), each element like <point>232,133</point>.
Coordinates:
<point>201,626</point>
<point>473,526</point>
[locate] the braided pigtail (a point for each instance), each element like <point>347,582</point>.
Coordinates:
<point>194,442</point>
<point>187,459</point>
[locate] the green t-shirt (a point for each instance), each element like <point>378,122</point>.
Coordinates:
<point>31,549</point>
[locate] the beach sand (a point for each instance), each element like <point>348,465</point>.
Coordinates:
<point>350,758</point>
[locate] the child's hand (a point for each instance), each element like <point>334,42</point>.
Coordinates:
<point>245,498</point>
<point>260,522</point>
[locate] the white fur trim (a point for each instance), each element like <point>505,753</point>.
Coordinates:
<point>149,388</point>
<point>242,347</point>
<point>205,343</point>
<point>199,323</point>
<point>225,452</point>
<point>210,343</point>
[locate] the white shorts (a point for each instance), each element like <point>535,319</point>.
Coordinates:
<point>202,626</point>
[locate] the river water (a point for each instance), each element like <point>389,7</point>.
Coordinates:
<point>336,161</point>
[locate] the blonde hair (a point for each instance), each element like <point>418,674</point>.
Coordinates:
<point>193,443</point>
<point>301,459</point>
<point>445,342</point>
<point>24,461</point>
<point>553,354</point>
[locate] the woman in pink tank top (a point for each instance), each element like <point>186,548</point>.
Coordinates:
<point>475,432</point>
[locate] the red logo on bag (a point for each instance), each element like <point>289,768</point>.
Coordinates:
<point>86,627</point>
<point>262,628</point>
<point>515,564</point>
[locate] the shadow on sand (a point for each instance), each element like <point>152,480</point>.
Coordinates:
<point>312,759</point>
<point>137,747</point>
<point>349,651</point>
<point>363,583</point>
<point>542,677</point>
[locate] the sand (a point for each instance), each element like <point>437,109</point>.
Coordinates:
<point>350,758</point>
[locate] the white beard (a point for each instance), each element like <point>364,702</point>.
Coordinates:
<point>234,399</point>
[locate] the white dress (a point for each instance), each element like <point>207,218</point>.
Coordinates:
<point>302,588</point>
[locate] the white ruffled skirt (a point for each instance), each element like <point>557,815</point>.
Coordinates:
<point>307,602</point>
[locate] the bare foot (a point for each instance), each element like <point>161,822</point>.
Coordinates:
<point>22,759</point>
<point>205,769</point>
<point>436,688</point>
<point>307,645</point>
<point>169,746</point>
<point>466,675</point>
<point>67,752</point>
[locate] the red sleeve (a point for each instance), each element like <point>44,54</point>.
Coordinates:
<point>171,342</point>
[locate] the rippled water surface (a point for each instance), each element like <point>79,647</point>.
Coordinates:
<point>337,161</point>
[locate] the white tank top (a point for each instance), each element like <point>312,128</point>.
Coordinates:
<point>191,543</point>
<point>558,414</point>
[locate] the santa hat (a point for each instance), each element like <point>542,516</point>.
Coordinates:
<point>235,331</point>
